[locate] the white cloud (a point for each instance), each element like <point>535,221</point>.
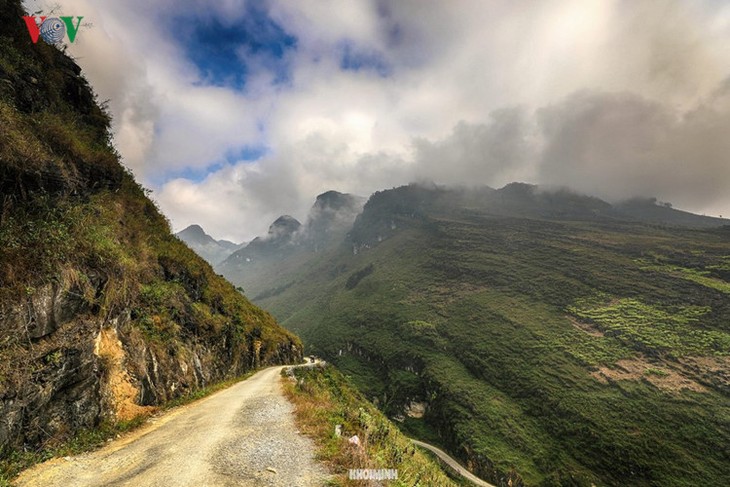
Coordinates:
<point>458,92</point>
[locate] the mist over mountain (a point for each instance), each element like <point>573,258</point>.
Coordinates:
<point>331,218</point>
<point>332,213</point>
<point>288,242</point>
<point>230,246</point>
<point>282,231</point>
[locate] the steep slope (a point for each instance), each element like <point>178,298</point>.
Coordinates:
<point>212,250</point>
<point>103,312</point>
<point>325,401</point>
<point>548,338</point>
<point>289,244</point>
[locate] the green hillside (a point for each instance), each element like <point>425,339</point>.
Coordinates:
<point>104,314</point>
<point>554,340</point>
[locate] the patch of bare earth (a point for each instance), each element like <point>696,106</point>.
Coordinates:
<point>120,392</point>
<point>658,375</point>
<point>712,370</point>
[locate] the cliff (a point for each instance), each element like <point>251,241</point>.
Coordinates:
<point>103,312</point>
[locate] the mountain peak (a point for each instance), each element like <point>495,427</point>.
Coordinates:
<point>329,194</point>
<point>334,200</point>
<point>193,230</point>
<point>285,225</point>
<point>518,188</point>
<point>206,246</point>
<point>285,221</point>
<point>332,212</point>
<point>195,233</point>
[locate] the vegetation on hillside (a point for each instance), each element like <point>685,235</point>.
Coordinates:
<point>573,351</point>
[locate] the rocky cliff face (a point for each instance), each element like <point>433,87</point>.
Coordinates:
<point>104,314</point>
<point>70,368</point>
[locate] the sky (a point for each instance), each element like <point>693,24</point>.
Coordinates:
<point>235,112</point>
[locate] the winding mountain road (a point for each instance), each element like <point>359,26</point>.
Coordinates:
<point>448,460</point>
<point>242,436</point>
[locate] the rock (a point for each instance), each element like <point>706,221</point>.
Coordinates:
<point>41,312</point>
<point>50,307</point>
<point>415,409</point>
<point>272,470</point>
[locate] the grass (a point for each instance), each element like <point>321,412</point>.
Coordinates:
<point>657,372</point>
<point>701,277</point>
<point>651,330</point>
<point>323,399</point>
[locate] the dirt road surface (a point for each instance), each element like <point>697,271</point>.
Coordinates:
<point>242,436</point>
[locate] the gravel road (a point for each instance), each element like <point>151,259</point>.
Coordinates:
<point>242,436</point>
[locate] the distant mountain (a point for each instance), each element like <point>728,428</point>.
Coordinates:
<point>204,245</point>
<point>281,232</point>
<point>519,199</point>
<point>388,210</point>
<point>231,246</point>
<point>543,336</point>
<point>288,242</point>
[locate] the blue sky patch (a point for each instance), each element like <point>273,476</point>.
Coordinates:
<point>248,153</point>
<point>222,49</point>
<point>196,175</point>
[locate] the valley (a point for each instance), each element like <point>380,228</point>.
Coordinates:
<point>551,344</point>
